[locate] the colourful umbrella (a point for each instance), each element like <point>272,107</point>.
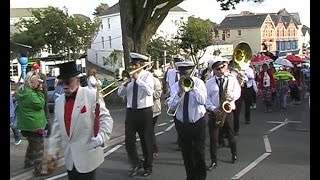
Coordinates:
<point>260,59</point>
<point>283,75</point>
<point>294,58</point>
<point>284,62</point>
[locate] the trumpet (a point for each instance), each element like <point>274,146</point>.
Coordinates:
<point>125,76</point>
<point>186,84</point>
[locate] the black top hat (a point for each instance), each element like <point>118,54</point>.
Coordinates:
<point>68,70</point>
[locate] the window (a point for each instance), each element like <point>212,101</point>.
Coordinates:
<point>282,44</point>
<point>14,69</point>
<point>228,33</point>
<point>102,41</point>
<point>288,45</point>
<point>108,23</point>
<point>110,41</point>
<point>239,32</point>
<point>277,32</point>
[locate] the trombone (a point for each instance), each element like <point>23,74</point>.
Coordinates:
<point>125,75</point>
<point>186,84</point>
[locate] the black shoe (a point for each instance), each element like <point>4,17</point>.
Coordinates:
<point>212,166</point>
<point>234,159</point>
<point>147,172</point>
<point>134,171</point>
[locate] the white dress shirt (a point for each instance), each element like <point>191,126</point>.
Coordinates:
<point>250,74</point>
<point>196,104</point>
<point>234,90</point>
<point>171,77</point>
<point>235,74</point>
<point>145,90</point>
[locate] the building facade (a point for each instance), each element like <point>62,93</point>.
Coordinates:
<point>109,37</point>
<point>279,31</point>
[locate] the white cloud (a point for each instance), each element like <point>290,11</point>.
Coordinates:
<point>206,9</point>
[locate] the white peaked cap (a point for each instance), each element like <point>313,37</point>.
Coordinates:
<point>138,56</point>
<point>217,59</point>
<point>185,64</point>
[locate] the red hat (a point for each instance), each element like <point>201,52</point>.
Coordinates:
<point>35,66</point>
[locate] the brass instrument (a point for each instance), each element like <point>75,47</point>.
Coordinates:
<point>125,76</point>
<point>242,57</point>
<point>186,84</point>
<point>225,106</point>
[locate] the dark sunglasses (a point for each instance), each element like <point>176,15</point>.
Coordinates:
<point>219,68</point>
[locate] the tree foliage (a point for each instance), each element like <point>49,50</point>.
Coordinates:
<point>55,29</point>
<point>140,20</point>
<point>195,35</point>
<point>159,47</point>
<point>100,9</point>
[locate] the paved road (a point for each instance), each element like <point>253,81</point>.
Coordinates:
<point>278,150</point>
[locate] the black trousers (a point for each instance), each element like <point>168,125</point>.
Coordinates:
<point>192,136</point>
<point>75,175</point>
<point>178,138</point>
<point>139,121</point>
<point>155,147</point>
<point>214,134</point>
<point>246,96</point>
<point>254,95</point>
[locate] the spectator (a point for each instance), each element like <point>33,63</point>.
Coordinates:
<point>13,126</point>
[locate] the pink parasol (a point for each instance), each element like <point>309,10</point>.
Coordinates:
<point>294,59</point>
<point>260,59</point>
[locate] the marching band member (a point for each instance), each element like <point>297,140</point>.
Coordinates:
<point>221,86</point>
<point>236,112</point>
<point>190,121</point>
<point>139,93</point>
<point>172,77</point>
<point>74,126</point>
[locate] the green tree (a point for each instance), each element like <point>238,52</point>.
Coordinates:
<point>195,35</point>
<point>140,20</point>
<point>100,9</point>
<point>159,46</point>
<point>55,29</point>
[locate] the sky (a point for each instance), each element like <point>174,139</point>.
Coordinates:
<point>205,9</point>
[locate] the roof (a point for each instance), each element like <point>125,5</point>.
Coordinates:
<point>243,21</point>
<point>22,12</point>
<point>256,20</point>
<point>304,29</point>
<point>116,9</point>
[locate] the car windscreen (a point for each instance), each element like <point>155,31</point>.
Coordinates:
<point>50,84</point>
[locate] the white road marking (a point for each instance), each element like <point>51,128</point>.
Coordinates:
<point>112,150</point>
<point>158,133</point>
<point>275,122</point>
<point>162,124</point>
<point>250,166</point>
<point>57,176</point>
<point>169,128</point>
<point>267,144</point>
<point>171,120</point>
<point>280,125</point>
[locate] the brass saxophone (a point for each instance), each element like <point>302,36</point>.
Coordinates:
<point>225,107</point>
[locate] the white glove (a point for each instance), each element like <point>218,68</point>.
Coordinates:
<point>96,141</point>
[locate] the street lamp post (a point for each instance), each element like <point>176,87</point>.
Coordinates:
<point>23,60</point>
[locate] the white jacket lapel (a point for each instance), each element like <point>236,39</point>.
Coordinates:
<point>78,104</point>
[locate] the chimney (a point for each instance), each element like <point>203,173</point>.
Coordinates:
<point>246,13</point>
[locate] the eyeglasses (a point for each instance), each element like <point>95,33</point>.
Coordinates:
<point>219,68</point>
<point>68,81</point>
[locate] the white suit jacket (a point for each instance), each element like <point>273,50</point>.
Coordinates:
<point>77,148</point>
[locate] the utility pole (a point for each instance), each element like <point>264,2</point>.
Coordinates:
<point>164,60</point>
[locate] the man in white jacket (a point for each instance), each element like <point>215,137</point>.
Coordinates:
<point>74,126</point>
